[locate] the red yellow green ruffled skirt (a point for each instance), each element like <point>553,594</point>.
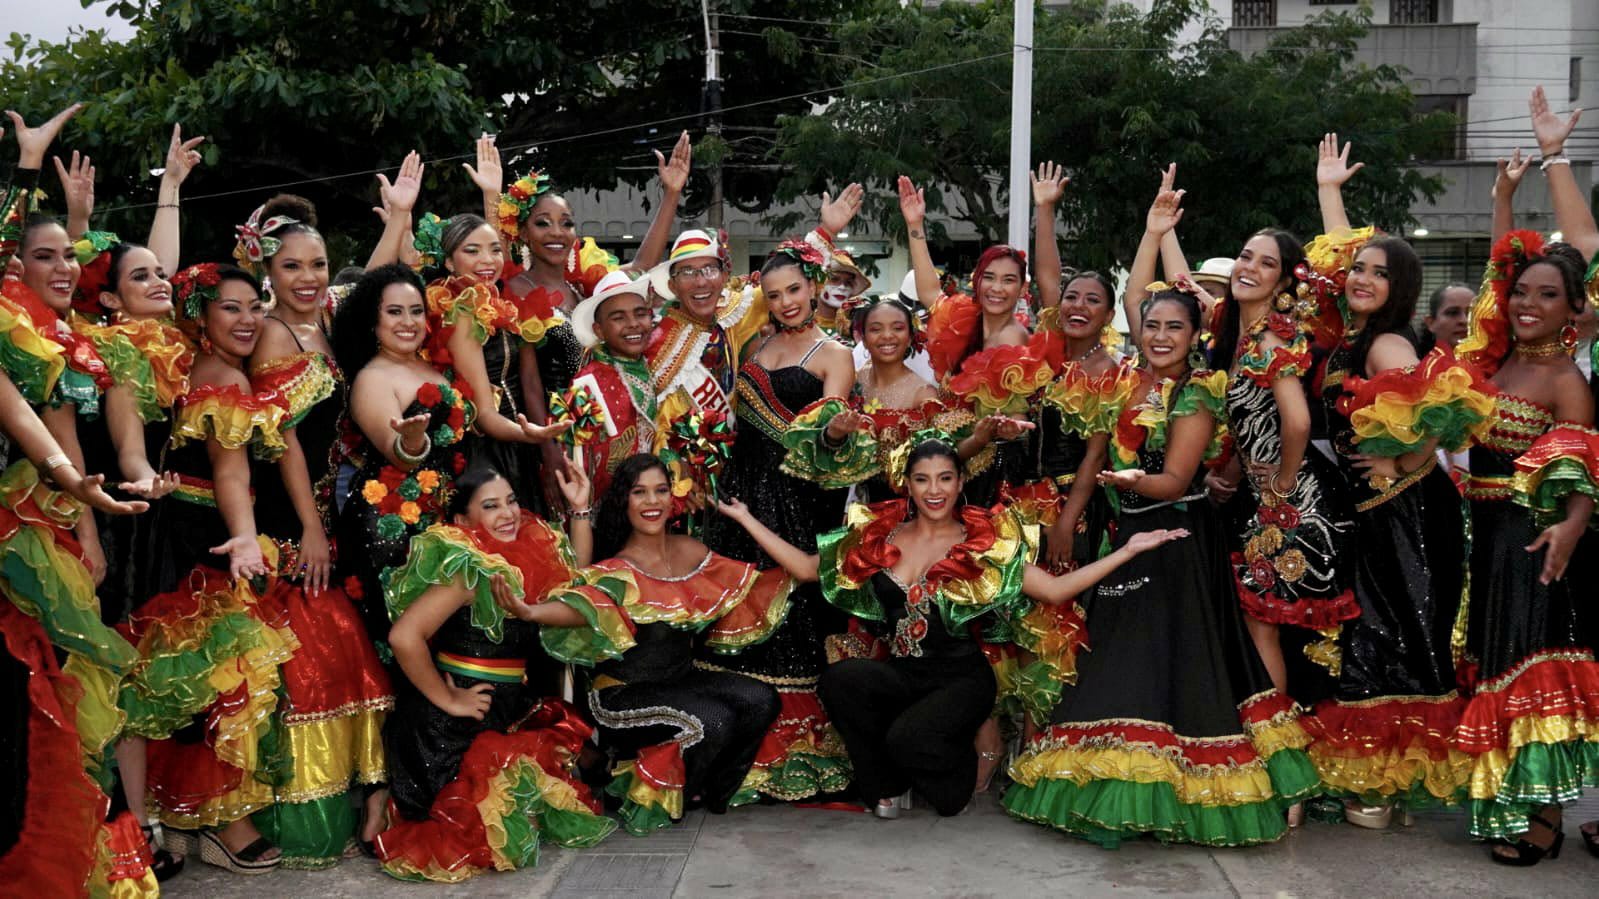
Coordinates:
<point>514,790</point>
<point>61,807</point>
<point>1391,750</point>
<point>205,695</point>
<point>1533,735</point>
<point>336,697</point>
<point>801,756</point>
<point>1107,781</point>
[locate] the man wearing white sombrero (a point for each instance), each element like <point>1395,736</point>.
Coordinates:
<point>614,324</point>
<point>695,350</point>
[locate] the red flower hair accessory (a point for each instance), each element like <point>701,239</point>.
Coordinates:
<point>1487,341</point>
<point>516,204</point>
<point>192,288</point>
<point>93,250</point>
<point>810,259</point>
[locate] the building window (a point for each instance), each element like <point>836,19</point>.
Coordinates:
<point>1450,143</point>
<point>1574,78</point>
<point>1254,13</point>
<point>1413,12</point>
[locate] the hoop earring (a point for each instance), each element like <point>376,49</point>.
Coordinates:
<point>1568,336</point>
<point>910,508</point>
<point>1196,358</point>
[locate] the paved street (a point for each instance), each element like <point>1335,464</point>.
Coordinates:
<point>781,851</point>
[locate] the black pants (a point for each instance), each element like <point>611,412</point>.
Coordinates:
<point>911,723</point>
<point>717,718</point>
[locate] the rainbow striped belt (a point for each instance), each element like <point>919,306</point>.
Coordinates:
<point>500,671</point>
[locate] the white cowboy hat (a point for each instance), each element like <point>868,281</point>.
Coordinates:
<point>691,244</point>
<point>1218,269</point>
<point>614,284</point>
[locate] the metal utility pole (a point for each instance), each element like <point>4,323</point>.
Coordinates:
<point>1021,124</point>
<point>711,103</point>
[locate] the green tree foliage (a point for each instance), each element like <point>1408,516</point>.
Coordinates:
<point>324,91</point>
<point>1117,96</point>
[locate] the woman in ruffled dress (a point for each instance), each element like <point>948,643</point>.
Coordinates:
<point>338,701</point>
<point>206,694</point>
<point>482,764</point>
<point>677,732</point>
<point>926,573</point>
<point>791,392</point>
<point>1534,476</point>
<point>1382,740</point>
<point>1174,727</point>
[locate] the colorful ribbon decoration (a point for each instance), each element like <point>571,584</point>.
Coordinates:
<point>580,407</point>
<point>698,445</point>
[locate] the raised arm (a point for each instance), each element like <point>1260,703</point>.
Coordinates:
<point>800,565</point>
<point>1573,215</point>
<point>1055,589</point>
<point>182,157</point>
<point>1049,186</point>
<point>1507,178</point>
<point>673,173</point>
<point>489,175</point>
<point>1332,170</point>
<point>1162,219</point>
<point>77,187</point>
<point>31,144</point>
<point>398,199</point>
<point>913,207</point>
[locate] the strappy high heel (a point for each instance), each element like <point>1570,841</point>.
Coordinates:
<point>987,780</point>
<point>1529,854</point>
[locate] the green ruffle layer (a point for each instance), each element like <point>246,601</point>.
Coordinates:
<point>1106,812</point>
<point>1540,774</point>
<point>79,389</point>
<point>605,635</point>
<point>32,584</point>
<point>437,559</point>
<point>172,687</point>
<point>130,368</point>
<point>811,458</point>
<point>638,820</point>
<point>1008,604</point>
<point>311,835</point>
<point>1561,478</point>
<point>802,775</point>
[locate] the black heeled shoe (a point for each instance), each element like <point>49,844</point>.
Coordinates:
<point>1590,838</point>
<point>1529,854</point>
<point>164,865</point>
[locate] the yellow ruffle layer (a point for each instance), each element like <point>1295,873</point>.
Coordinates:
<point>332,753</point>
<point>1488,770</point>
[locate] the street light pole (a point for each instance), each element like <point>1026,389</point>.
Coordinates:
<point>713,109</point>
<point>1021,124</point>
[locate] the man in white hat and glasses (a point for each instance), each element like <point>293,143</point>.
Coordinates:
<point>695,350</point>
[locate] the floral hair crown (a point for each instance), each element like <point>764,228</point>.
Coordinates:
<point>429,240</point>
<point>1487,341</point>
<point>93,250</point>
<point>899,457</point>
<point>516,204</point>
<point>192,288</point>
<point>256,244</point>
<point>810,259</point>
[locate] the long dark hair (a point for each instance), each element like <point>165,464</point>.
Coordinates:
<point>611,527</point>
<point>1291,252</point>
<point>467,485</point>
<point>1404,290</point>
<point>355,339</point>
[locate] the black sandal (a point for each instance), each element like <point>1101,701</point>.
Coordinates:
<point>246,861</point>
<point>164,865</point>
<point>1529,854</point>
<point>1590,838</point>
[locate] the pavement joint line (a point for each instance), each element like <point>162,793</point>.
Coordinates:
<point>1222,870</point>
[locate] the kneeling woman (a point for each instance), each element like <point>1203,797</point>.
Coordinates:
<point>1174,727</point>
<point>927,574</point>
<point>686,731</point>
<point>474,752</point>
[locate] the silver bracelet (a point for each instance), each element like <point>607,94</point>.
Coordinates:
<point>401,454</point>
<point>581,514</point>
<point>1554,160</point>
